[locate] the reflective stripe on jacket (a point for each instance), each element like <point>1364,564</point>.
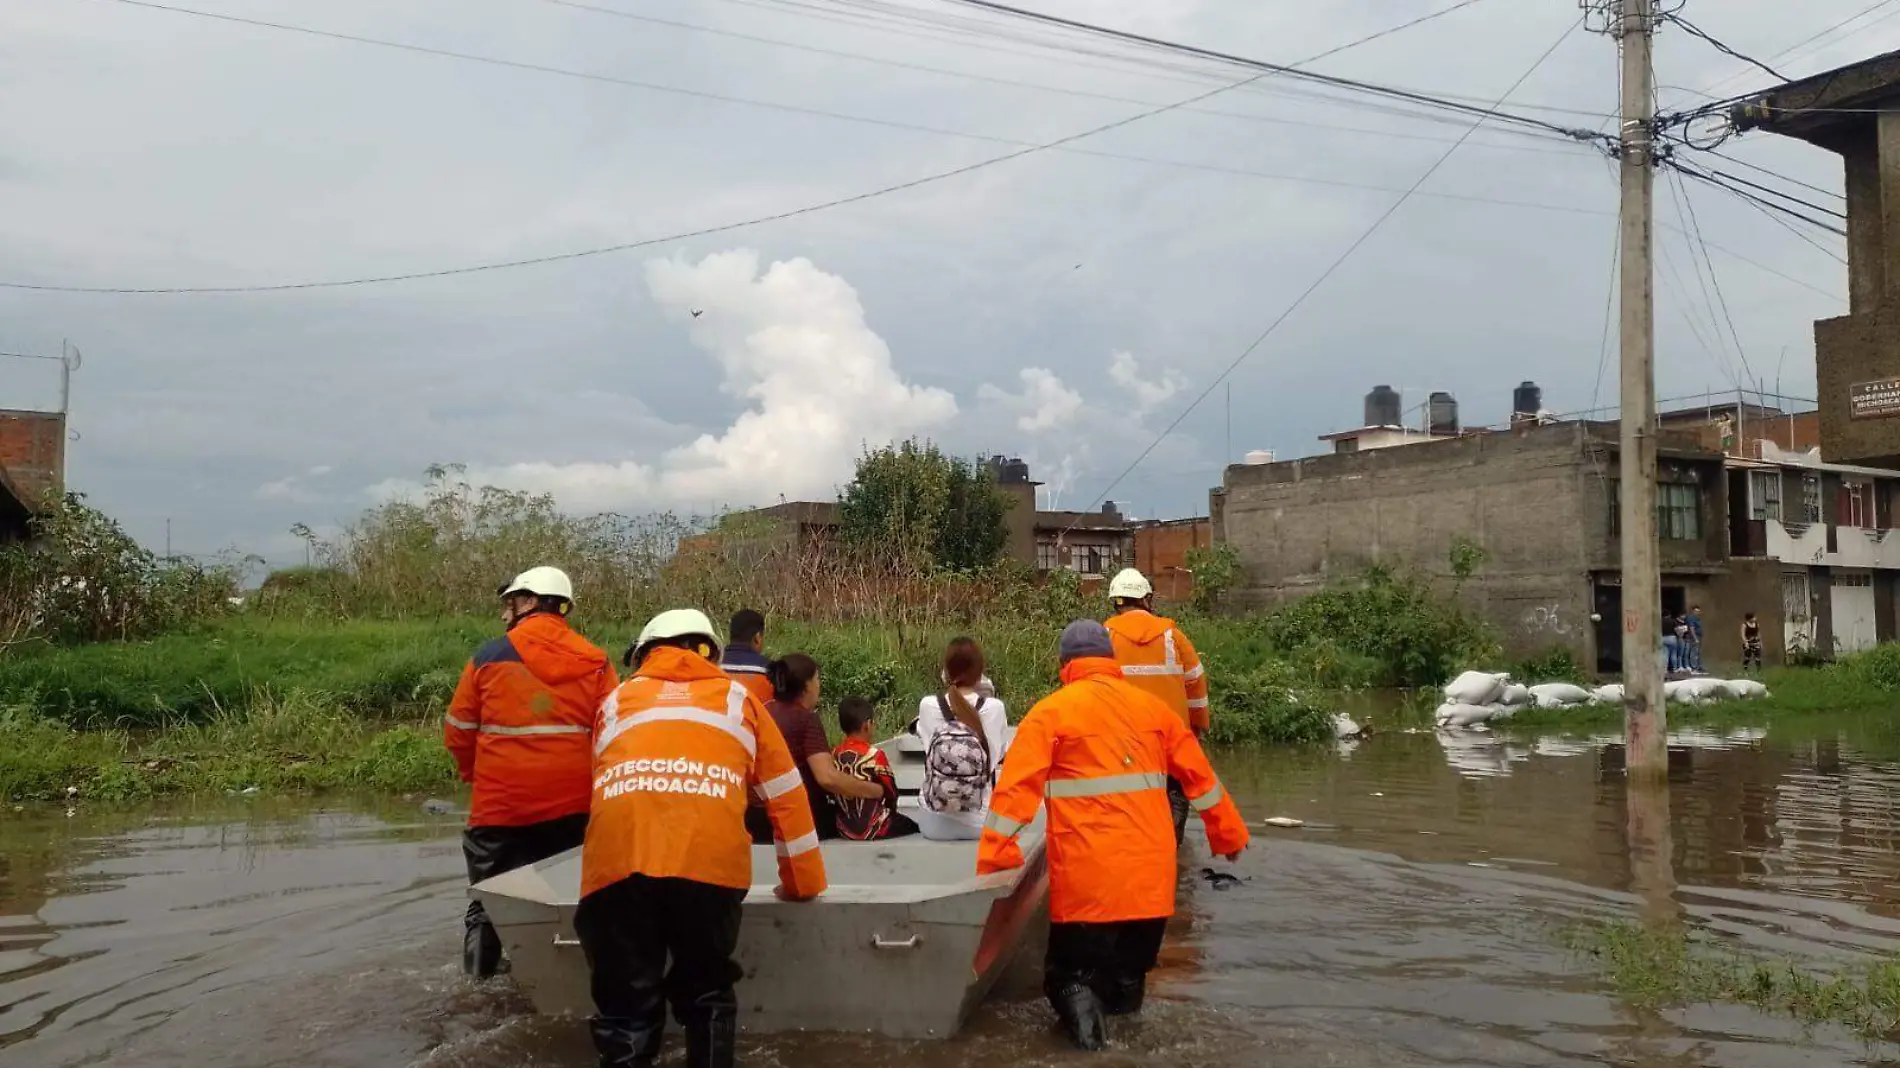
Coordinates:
<point>1157,657</point>
<point>677,748</point>
<point>1101,751</point>
<point>747,667</point>
<point>521,722</point>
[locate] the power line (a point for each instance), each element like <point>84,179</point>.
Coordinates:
<point>725,227</point>
<point>1700,176</point>
<point>1720,46</point>
<point>1759,169</point>
<point>1727,177</point>
<point>1788,51</point>
<point>1324,79</point>
<point>1086,94</point>
<point>1715,280</point>
<point>1287,313</point>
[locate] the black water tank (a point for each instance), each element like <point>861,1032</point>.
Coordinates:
<point>1444,413</point>
<point>1384,407</point>
<point>1526,401</point>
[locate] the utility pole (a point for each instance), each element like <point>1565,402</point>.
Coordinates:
<point>1645,729</point>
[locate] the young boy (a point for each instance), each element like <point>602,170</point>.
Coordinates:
<point>866,819</point>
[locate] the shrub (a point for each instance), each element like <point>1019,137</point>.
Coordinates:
<point>1415,637</point>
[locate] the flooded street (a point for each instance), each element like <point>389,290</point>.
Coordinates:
<point>1412,921</point>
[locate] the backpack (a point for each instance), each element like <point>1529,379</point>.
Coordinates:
<point>956,766</point>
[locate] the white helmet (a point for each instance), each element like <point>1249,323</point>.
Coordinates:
<point>678,623</point>
<point>1129,585</point>
<point>542,582</point>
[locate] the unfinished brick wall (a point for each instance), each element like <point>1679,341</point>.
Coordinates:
<point>1161,554</point>
<point>33,452</point>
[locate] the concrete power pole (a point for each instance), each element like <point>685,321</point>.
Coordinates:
<point>1645,729</point>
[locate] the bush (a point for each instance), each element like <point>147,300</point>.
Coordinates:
<point>83,579</point>
<point>1557,664</point>
<point>1411,635</point>
<point>1878,668</point>
<point>1263,703</point>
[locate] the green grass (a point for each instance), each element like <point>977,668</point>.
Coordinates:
<point>1673,967</point>
<point>301,743</point>
<point>297,707</point>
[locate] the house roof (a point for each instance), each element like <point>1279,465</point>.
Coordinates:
<point>1824,108</point>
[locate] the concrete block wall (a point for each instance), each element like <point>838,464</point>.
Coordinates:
<point>1862,347</point>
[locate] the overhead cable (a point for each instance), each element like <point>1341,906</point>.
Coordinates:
<point>723,227</point>
<point>1324,276</point>
<point>1721,46</point>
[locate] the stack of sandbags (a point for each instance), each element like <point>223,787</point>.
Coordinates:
<point>1473,698</point>
<point>1559,695</point>
<point>1611,694</point>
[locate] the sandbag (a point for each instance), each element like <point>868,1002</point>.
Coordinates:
<point>1344,727</point>
<point>1609,694</point>
<point>1459,714</point>
<point>1695,691</point>
<point>1746,689</point>
<point>1476,688</point>
<point>1514,695</point>
<point>1559,695</point>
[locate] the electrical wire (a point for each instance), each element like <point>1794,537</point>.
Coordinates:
<point>1715,280</point>
<point>1718,353</point>
<point>1725,176</point>
<point>1796,231</point>
<point>724,227</point>
<point>1790,212</point>
<point>1325,275</point>
<point>1759,169</point>
<point>1789,51</point>
<point>1721,46</point>
<point>1324,79</point>
<point>597,9</point>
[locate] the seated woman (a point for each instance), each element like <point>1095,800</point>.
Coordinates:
<point>794,707</point>
<point>964,733</point>
<point>861,819</point>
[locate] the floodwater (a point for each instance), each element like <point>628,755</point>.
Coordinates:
<point>1412,921</point>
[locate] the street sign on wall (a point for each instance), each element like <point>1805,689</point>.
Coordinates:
<point>1879,399</point>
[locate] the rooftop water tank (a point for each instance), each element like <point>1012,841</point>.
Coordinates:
<point>1259,457</point>
<point>1444,413</point>
<point>1526,401</point>
<point>1384,407</point>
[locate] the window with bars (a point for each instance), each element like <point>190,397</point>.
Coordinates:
<point>1764,495</point>
<point>1810,498</point>
<point>1048,556</point>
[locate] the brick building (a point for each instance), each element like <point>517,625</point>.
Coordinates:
<point>1854,112</point>
<point>1539,500</point>
<point>1161,553</point>
<point>1093,543</point>
<point>32,467</point>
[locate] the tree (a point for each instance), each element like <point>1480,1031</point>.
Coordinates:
<point>925,508</point>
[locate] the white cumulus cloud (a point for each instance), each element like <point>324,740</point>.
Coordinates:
<point>791,341</point>
<point>1044,404</point>
<point>1125,371</point>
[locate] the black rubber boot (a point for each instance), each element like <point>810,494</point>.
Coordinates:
<point>712,1031</point>
<point>481,946</point>
<point>1080,1013</point>
<point>624,1042</point>
<point>1123,995</point>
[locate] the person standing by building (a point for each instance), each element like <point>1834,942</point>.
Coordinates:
<point>1695,637</point>
<point>1100,752</point>
<point>1157,657</point>
<point>668,862</point>
<point>520,726</point>
<point>744,657</point>
<point>1751,642</point>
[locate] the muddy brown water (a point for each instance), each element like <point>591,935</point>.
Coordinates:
<point>1412,921</point>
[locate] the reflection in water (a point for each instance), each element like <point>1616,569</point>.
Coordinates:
<point>1409,922</point>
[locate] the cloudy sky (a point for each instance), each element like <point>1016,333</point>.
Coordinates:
<point>1065,306</point>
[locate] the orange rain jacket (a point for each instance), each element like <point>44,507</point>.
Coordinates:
<point>747,666</point>
<point>521,721</point>
<point>676,750</point>
<point>1101,751</point>
<point>1156,656</point>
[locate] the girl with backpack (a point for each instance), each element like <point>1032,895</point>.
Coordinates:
<point>964,732</point>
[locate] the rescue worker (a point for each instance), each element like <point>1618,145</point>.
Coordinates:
<point>520,727</point>
<point>744,658</point>
<point>1101,751</point>
<point>668,861</point>
<point>1156,656</point>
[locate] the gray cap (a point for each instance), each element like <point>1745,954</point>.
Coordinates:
<point>1085,637</point>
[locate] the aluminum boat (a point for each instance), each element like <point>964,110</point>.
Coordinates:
<point>905,943</point>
